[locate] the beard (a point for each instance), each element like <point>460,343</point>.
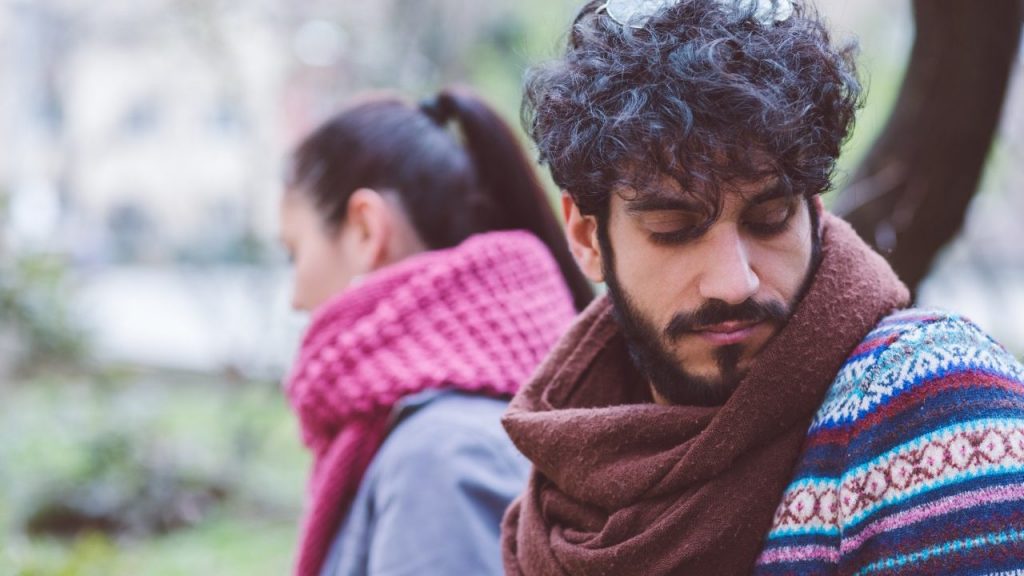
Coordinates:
<point>648,346</point>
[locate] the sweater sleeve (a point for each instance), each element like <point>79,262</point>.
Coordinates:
<point>442,492</point>
<point>933,481</point>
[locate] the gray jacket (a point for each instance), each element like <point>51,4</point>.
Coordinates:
<point>432,499</point>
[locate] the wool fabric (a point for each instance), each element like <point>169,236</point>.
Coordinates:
<point>477,318</point>
<point>628,488</point>
<point>914,464</point>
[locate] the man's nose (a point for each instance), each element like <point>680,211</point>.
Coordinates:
<point>728,275</point>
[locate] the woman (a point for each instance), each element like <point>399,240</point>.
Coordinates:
<point>438,278</point>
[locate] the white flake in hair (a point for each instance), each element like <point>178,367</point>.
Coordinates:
<point>636,13</point>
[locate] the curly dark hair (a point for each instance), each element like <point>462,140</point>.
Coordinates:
<point>707,92</point>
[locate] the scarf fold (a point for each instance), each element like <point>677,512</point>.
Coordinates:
<point>478,318</point>
<point>626,488</point>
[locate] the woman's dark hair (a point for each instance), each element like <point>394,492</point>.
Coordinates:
<point>449,190</point>
<point>707,92</point>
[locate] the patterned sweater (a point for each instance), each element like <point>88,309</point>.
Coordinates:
<point>915,462</point>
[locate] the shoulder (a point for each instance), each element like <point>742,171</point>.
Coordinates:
<point>929,406</point>
<point>917,455</point>
<point>910,351</point>
<point>434,494</point>
<point>446,439</point>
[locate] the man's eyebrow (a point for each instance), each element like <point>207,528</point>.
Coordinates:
<point>773,191</point>
<point>654,202</point>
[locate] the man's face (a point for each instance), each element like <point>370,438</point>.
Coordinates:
<point>698,302</point>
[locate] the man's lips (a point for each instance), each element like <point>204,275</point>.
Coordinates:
<point>727,332</point>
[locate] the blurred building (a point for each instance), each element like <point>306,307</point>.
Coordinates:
<point>143,141</point>
<point>153,130</point>
<point>155,141</point>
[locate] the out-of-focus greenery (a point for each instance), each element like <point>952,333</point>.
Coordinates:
<point>140,447</point>
<point>533,32</point>
<point>229,544</point>
<point>36,325</point>
<point>881,79</point>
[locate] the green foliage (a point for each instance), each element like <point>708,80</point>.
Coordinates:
<point>230,545</point>
<point>218,462</point>
<point>89,555</point>
<point>123,489</point>
<point>34,309</point>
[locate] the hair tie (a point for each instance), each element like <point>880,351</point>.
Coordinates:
<point>439,109</point>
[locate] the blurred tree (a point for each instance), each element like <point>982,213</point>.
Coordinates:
<point>37,329</point>
<point>910,195</point>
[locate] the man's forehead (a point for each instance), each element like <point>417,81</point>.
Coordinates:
<point>662,190</point>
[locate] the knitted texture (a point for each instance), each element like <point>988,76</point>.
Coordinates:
<point>622,486</point>
<point>478,318</point>
<point>914,463</point>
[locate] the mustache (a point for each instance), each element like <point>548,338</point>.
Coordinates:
<point>717,312</point>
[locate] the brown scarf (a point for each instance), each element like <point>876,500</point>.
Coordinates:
<point>626,488</point>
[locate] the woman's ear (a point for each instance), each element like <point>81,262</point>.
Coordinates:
<point>581,231</point>
<point>368,229</point>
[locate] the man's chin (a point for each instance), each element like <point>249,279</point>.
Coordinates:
<point>691,390</point>
<point>709,381</point>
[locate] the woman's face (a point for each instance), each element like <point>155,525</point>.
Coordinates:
<point>325,262</point>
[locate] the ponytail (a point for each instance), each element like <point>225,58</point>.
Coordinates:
<point>450,189</point>
<point>509,179</point>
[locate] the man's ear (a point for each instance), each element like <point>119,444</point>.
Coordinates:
<point>369,222</point>
<point>582,234</point>
<point>818,205</point>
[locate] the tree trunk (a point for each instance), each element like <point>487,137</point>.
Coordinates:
<point>909,196</point>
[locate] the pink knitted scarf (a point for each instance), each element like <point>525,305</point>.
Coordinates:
<point>478,317</point>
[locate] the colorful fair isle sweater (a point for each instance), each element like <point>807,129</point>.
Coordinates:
<point>915,462</point>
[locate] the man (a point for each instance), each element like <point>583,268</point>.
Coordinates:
<point>753,395</point>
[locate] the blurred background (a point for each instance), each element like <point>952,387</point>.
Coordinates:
<point>144,321</point>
